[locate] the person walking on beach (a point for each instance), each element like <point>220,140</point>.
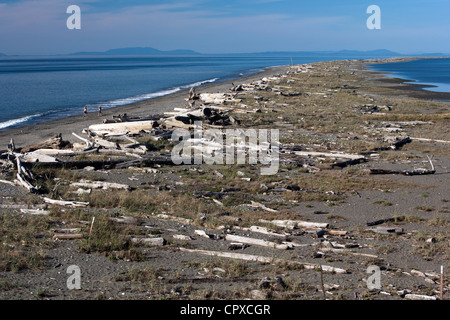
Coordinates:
<point>85,111</point>
<point>99,111</point>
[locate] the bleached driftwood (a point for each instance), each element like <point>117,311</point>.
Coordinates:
<point>179,219</point>
<point>257,242</point>
<point>260,205</point>
<point>262,259</point>
<point>100,185</point>
<point>293,224</point>
<point>154,242</point>
<point>181,237</point>
<point>387,230</point>
<point>344,251</point>
<point>336,232</point>
<point>412,296</point>
<point>104,143</point>
<point>203,234</point>
<point>7,182</point>
<point>35,156</point>
<point>430,140</point>
<point>35,211</point>
<point>217,98</point>
<point>66,203</point>
<point>55,152</point>
<point>89,144</point>
<point>23,206</point>
<point>23,174</point>
<point>122,127</point>
<point>328,155</point>
<point>262,230</point>
<point>67,236</point>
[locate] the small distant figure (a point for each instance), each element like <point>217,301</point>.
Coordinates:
<point>99,111</point>
<point>85,111</point>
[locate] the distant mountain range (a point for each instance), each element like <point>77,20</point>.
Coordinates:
<point>380,53</point>
<point>138,51</point>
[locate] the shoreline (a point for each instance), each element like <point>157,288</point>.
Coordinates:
<point>410,88</point>
<point>30,134</point>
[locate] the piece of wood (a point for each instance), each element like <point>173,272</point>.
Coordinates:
<point>23,174</point>
<point>430,140</point>
<point>37,157</point>
<point>104,143</point>
<point>11,146</point>
<point>55,142</point>
<point>23,206</point>
<point>262,259</point>
<point>65,236</point>
<point>381,221</point>
<point>55,152</point>
<point>336,232</point>
<point>327,154</point>
<point>100,185</point>
<point>122,127</point>
<point>66,203</point>
<point>415,172</point>
<point>262,230</point>
<point>387,230</point>
<point>35,211</point>
<point>412,296</point>
<point>293,224</point>
<point>257,242</point>
<point>360,254</point>
<point>89,144</point>
<point>181,237</point>
<point>260,205</point>
<point>66,230</point>
<point>203,234</point>
<point>237,246</point>
<point>101,164</point>
<point>124,219</point>
<point>153,242</point>
<point>397,145</point>
<point>7,182</point>
<point>179,219</point>
<point>350,162</point>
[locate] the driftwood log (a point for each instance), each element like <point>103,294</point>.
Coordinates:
<point>262,259</point>
<point>256,242</point>
<point>416,172</point>
<point>55,142</point>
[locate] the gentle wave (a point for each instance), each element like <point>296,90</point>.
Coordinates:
<point>14,122</point>
<point>125,101</point>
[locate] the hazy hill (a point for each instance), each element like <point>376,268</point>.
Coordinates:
<point>138,51</point>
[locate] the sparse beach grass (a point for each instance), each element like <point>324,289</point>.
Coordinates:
<point>330,109</point>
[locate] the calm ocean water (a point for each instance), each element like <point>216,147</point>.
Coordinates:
<point>39,89</point>
<point>435,72</point>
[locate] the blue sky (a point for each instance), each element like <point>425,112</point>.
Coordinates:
<point>226,26</point>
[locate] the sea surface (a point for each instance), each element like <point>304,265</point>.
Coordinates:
<point>37,89</point>
<point>434,72</point>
